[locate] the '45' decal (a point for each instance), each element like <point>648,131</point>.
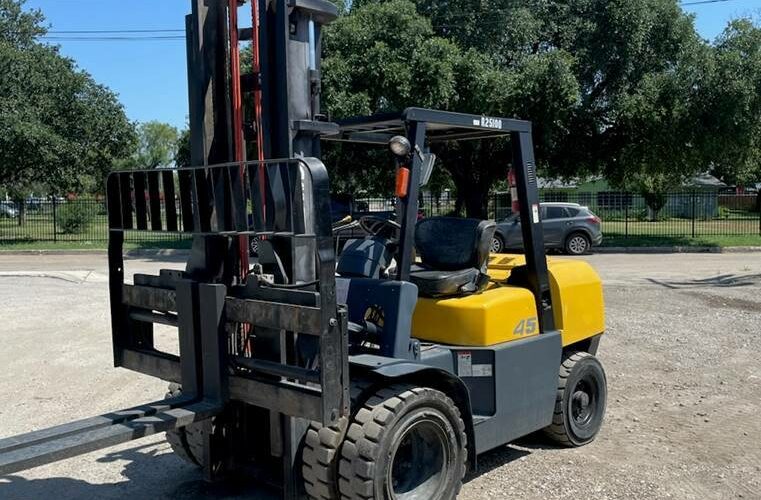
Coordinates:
<point>526,327</point>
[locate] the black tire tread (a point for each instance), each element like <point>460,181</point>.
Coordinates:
<point>321,454</point>
<point>360,448</point>
<point>186,442</point>
<point>557,430</point>
<point>178,438</point>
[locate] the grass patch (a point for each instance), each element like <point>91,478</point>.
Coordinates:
<point>90,245</point>
<point>671,241</point>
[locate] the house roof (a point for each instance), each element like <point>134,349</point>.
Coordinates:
<point>705,180</point>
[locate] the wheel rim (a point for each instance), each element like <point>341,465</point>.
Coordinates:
<point>577,244</point>
<point>419,462</point>
<point>584,403</point>
<point>496,245</point>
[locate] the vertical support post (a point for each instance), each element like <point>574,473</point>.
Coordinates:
<point>211,300</point>
<point>210,126</point>
<point>115,292</point>
<point>694,215</point>
<point>211,304</point>
<point>407,217</point>
<point>55,219</point>
<point>115,263</point>
<point>626,215</point>
<point>188,333</point>
<point>531,226</point>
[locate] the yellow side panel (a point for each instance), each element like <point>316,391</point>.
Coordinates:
<point>499,314</point>
<point>577,299</point>
<point>505,313</point>
<point>576,289</point>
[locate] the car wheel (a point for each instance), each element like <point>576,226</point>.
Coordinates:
<point>497,244</point>
<point>577,244</point>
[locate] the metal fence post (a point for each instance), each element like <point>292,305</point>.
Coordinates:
<point>693,213</point>
<point>626,218</point>
<point>55,220</point>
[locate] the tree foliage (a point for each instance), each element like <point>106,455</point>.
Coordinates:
<point>613,87</point>
<point>733,104</point>
<point>157,146</point>
<point>58,127</point>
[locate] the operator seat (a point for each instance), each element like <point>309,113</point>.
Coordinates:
<point>454,254</point>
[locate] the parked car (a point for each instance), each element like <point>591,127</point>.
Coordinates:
<point>567,226</point>
<point>8,209</point>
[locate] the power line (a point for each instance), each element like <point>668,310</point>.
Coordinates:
<point>702,2</point>
<point>124,35</point>
<point>111,39</point>
<point>99,32</point>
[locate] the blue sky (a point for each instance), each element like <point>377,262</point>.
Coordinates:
<point>150,75</point>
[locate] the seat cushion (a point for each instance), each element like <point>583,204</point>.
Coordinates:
<point>452,243</point>
<point>434,283</point>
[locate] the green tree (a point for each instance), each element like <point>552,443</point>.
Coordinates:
<point>182,153</point>
<point>157,145</point>
<point>382,57</point>
<point>733,105</point>
<point>612,86</point>
<point>58,127</point>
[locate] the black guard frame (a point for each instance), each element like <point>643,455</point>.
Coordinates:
<point>424,127</point>
<point>213,204</point>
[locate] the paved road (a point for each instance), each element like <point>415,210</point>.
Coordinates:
<point>681,355</point>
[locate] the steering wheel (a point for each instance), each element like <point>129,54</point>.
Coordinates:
<point>380,227</point>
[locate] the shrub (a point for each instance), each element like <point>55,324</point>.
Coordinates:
<point>73,218</point>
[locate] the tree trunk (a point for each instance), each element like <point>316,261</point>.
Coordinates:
<point>655,202</point>
<point>21,211</point>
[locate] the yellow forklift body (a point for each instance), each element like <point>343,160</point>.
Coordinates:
<point>503,313</point>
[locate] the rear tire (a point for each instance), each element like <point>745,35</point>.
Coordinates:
<point>406,442</point>
<point>577,244</point>
<point>497,244</point>
<point>580,401</point>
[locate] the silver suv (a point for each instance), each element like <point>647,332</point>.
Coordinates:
<point>567,226</point>
<point>8,209</point>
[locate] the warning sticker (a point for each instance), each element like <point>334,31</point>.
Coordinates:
<point>535,213</point>
<point>464,364</point>
<point>482,371</point>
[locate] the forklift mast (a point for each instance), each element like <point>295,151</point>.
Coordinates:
<point>295,368</point>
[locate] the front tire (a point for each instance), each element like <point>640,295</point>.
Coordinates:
<point>580,401</point>
<point>406,442</point>
<point>577,244</point>
<point>189,442</point>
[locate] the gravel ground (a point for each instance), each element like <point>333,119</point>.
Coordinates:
<point>680,353</point>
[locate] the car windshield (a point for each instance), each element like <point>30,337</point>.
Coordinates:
<point>513,218</point>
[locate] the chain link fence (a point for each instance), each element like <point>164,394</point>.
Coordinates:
<point>624,215</point>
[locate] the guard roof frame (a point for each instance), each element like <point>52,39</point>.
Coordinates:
<point>441,126</point>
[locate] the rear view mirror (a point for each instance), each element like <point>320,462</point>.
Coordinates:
<point>426,169</point>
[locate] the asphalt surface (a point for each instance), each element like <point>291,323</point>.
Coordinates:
<point>681,354</point>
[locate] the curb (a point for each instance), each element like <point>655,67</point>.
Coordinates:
<point>181,252</point>
<point>157,252</point>
<point>677,249</point>
<point>137,252</point>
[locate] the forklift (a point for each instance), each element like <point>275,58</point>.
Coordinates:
<point>381,372</point>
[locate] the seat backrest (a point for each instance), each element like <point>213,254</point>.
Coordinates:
<point>452,243</point>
